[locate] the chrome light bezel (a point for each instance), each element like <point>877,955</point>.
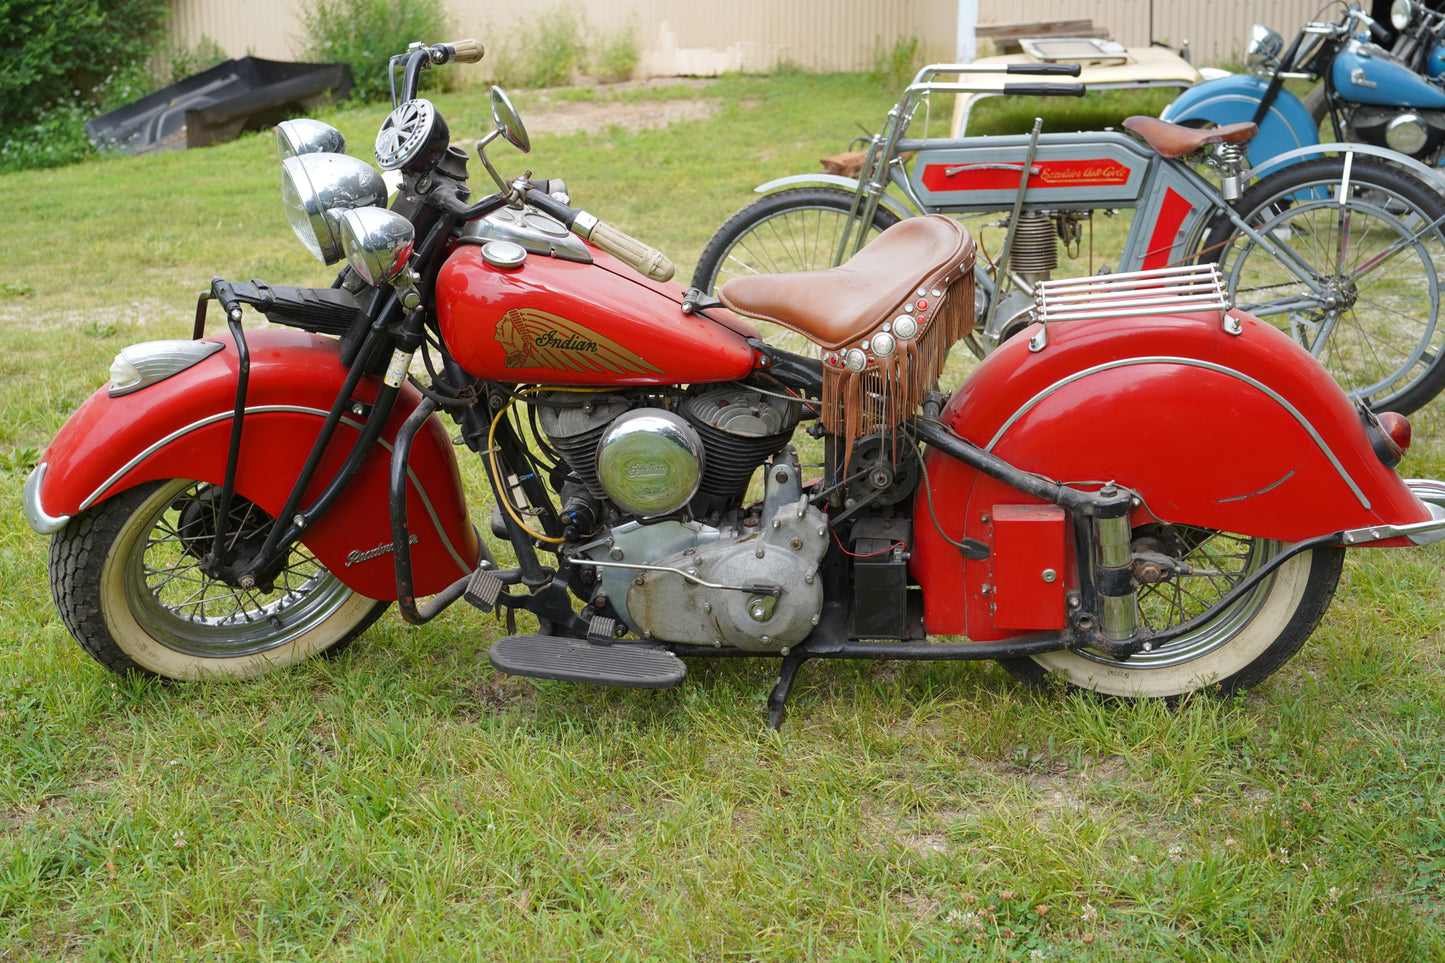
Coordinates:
<point>316,188</point>
<point>140,365</point>
<point>1264,48</point>
<point>306,136</point>
<point>378,243</point>
<point>1401,13</point>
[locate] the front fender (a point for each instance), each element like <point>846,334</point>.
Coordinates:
<point>181,427</point>
<point>1286,126</point>
<point>1241,433</point>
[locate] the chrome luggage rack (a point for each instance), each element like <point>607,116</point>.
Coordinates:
<point>1166,290</point>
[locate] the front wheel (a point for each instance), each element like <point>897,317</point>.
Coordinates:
<point>127,576</point>
<point>1347,265</point>
<point>1236,649</point>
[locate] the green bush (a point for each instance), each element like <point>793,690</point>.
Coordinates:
<point>55,135</point>
<point>552,47</point>
<point>53,139</point>
<point>543,51</point>
<point>614,56</point>
<point>67,53</point>
<point>367,33</point>
<point>893,67</point>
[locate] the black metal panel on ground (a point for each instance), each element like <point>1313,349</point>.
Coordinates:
<point>219,104</point>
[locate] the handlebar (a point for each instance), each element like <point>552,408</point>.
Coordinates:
<point>1043,90</point>
<point>459,51</point>
<point>1378,32</point>
<point>1067,70</point>
<point>419,57</point>
<point>645,260</point>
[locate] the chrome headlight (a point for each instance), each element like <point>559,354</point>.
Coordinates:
<point>1401,13</point>
<point>306,136</point>
<point>1264,46</point>
<point>317,188</point>
<point>377,242</point>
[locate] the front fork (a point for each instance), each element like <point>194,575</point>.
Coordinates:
<point>294,519</point>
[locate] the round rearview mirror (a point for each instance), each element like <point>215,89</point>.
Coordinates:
<point>377,242</point>
<point>504,115</point>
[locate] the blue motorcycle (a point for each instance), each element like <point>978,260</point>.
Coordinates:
<point>1390,100</point>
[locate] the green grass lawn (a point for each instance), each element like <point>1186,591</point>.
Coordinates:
<point>404,802</point>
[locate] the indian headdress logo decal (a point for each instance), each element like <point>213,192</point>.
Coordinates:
<point>536,339</point>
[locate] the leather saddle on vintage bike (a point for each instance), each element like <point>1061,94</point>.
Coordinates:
<point>1176,140</point>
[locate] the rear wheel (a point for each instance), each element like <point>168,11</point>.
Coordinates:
<point>1349,268</point>
<point>127,576</point>
<point>1237,648</point>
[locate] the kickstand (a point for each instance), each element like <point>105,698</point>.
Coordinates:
<point>778,697</point>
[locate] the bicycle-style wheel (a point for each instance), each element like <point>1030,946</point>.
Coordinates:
<point>793,230</point>
<point>1349,266</point>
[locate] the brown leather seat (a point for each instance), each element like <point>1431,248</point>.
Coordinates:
<point>1175,140</point>
<point>839,305</point>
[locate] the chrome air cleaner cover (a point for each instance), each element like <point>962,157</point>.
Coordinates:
<point>650,462</point>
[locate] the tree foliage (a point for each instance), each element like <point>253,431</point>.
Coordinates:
<point>62,52</point>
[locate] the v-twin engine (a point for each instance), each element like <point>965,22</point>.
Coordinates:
<point>654,497</point>
<point>1418,133</point>
<point>751,584</point>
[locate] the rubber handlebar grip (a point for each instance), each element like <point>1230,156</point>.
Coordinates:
<point>467,51</point>
<point>1066,70</point>
<point>647,261</point>
<point>1043,90</point>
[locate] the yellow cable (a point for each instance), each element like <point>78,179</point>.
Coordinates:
<point>503,491</point>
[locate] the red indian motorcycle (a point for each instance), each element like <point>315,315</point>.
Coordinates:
<point>240,501</point>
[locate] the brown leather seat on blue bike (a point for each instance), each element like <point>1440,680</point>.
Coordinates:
<point>839,305</point>
<point>1176,140</point>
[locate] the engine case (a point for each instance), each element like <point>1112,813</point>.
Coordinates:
<point>753,587</point>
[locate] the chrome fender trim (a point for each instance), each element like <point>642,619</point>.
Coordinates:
<point>1430,175</point>
<point>39,519</point>
<point>1254,383</point>
<point>849,184</point>
<point>350,422</point>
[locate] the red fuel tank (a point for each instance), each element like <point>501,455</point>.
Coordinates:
<point>551,321</point>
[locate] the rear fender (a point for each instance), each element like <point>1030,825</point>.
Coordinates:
<point>1242,433</point>
<point>1286,126</point>
<point>181,428</point>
